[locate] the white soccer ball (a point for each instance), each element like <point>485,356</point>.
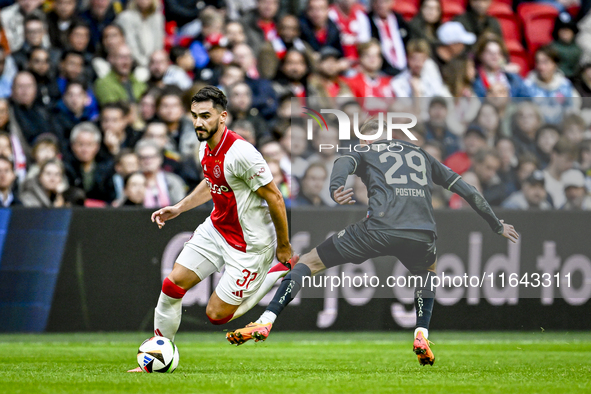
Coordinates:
<point>158,354</point>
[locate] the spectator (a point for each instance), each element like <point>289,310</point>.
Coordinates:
<point>46,147</point>
<point>525,123</point>
<point>244,129</point>
<point>12,19</point>
<point>73,68</point>
<point>577,197</point>
<point>112,38</point>
<point>162,188</point>
<point>354,28</point>
<point>531,196</point>
<point>453,39</point>
<point>281,181</point>
<point>422,77</point>
<point>35,31</point>
<point>240,108</point>
<point>293,74</point>
<point>235,33</point>
<point>273,151</point>
<point>99,14</point>
<point>546,137</point>
<point>47,189</point>
<point>585,161</point>
<point>31,117</point>
<point>134,192</point>
<point>48,91</point>
<point>143,25</point>
<point>59,21</point>
<point>259,24</point>
<point>312,185</point>
<point>117,134</point>
<point>317,29</point>
<point>264,97</point>
<point>574,128</point>
<point>437,128</point>
<point>506,148</point>
<point>325,85</point>
<point>425,24</point>
<point>216,45</point>
<point>7,183</point>
<point>182,58</point>
<point>212,25</point>
<point>489,121</point>
<point>569,53</point>
<point>146,109</point>
<point>457,202</point>
<point>391,32</point>
<point>562,158</point>
<point>295,136</point>
<point>18,145</point>
<point>120,84</point>
<point>78,39</point>
<point>171,159</point>
<point>163,72</point>
<point>71,110</point>
<point>186,12</point>
<point>491,54</point>
<point>527,163</point>
<point>84,170</point>
<point>126,163</point>
<point>458,76</point>
<point>487,163</point>
<point>369,80</point>
<point>551,90</point>
<point>273,52</point>
<point>169,109</point>
<point>8,71</point>
<point>476,19</point>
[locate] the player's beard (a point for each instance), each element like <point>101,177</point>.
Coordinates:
<point>210,134</point>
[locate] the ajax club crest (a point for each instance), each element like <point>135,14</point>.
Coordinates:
<point>217,172</point>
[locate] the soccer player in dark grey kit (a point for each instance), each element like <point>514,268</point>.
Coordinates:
<point>399,176</point>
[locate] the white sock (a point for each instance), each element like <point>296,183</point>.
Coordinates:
<point>267,317</point>
<point>424,330</point>
<point>254,299</point>
<point>167,316</point>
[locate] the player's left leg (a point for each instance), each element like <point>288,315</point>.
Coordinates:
<point>219,311</point>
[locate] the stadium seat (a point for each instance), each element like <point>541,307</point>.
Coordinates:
<point>452,8</point>
<point>538,22</point>
<point>521,58</point>
<point>507,2</point>
<point>407,8</point>
<point>509,25</point>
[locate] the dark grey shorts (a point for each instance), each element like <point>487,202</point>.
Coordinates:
<point>355,244</point>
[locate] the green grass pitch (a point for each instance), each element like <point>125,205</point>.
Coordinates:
<point>312,363</point>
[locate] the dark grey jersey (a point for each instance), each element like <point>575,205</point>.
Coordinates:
<point>399,177</point>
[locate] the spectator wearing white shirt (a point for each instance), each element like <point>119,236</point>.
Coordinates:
<point>562,158</point>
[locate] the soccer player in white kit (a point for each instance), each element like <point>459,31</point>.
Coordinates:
<point>246,229</point>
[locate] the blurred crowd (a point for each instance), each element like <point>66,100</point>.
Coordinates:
<point>94,95</point>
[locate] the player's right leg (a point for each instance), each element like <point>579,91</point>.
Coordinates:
<point>308,264</point>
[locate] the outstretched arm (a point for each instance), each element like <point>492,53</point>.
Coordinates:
<point>199,195</point>
<point>274,198</point>
<point>343,167</point>
<point>482,207</point>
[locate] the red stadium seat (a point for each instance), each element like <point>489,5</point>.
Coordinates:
<point>522,58</point>
<point>509,25</point>
<point>507,2</point>
<point>407,8</point>
<point>538,22</point>
<point>452,8</point>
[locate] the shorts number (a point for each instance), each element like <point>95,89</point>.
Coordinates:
<point>403,179</point>
<point>245,279</point>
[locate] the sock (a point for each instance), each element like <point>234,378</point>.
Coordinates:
<point>424,300</point>
<point>267,317</point>
<point>167,315</point>
<point>423,330</point>
<point>289,288</point>
<point>272,276</point>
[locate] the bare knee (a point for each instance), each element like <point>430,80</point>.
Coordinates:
<point>216,316</point>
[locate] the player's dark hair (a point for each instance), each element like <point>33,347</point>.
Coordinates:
<point>210,93</point>
<point>371,125</point>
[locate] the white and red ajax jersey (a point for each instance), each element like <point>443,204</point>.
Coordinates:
<point>234,170</point>
<point>353,28</point>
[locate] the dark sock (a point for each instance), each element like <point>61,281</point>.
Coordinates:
<point>424,300</point>
<point>289,287</point>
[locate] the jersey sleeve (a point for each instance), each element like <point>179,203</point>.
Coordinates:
<point>343,167</point>
<point>441,174</point>
<point>249,165</point>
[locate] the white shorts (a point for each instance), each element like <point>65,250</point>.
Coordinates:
<point>207,251</point>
